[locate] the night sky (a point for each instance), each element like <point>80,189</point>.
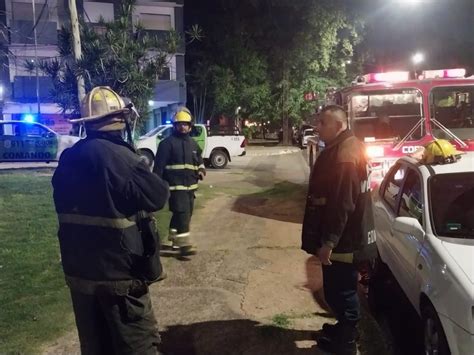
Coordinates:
<point>441,29</point>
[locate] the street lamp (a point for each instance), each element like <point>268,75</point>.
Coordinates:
<point>417,58</point>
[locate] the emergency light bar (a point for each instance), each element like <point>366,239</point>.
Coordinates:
<point>392,76</point>
<point>444,73</point>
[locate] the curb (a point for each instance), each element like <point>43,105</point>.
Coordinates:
<point>270,153</point>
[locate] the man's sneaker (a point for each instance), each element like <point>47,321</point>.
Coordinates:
<point>329,330</point>
<point>338,347</point>
<point>188,250</point>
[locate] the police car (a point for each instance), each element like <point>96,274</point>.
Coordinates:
<point>25,141</point>
<point>424,218</point>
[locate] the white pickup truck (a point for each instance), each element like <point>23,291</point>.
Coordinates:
<point>217,147</point>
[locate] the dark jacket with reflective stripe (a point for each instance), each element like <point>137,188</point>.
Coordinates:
<point>331,216</point>
<point>178,161</point>
<point>99,186</point>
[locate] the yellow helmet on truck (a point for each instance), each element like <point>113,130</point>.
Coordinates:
<point>440,151</point>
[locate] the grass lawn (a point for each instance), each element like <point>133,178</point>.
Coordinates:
<point>34,302</point>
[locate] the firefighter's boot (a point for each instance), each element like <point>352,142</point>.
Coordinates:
<point>169,244</point>
<point>183,241</point>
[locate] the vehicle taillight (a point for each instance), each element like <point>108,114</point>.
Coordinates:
<point>244,143</point>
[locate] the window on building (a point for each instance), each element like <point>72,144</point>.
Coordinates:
<point>157,22</point>
<point>93,11</point>
<point>23,11</point>
<point>166,74</point>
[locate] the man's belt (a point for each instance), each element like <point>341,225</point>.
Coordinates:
<point>115,288</point>
<point>117,223</point>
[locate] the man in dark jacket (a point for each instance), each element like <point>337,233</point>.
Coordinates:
<point>331,224</point>
<point>180,163</point>
<point>100,186</point>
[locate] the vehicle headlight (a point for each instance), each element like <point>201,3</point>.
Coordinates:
<point>375,151</point>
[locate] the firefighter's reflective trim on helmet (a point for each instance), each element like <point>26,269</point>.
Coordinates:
<point>184,188</point>
<point>182,167</point>
<point>116,223</point>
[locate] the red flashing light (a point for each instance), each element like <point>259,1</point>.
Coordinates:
<point>393,76</point>
<point>444,73</point>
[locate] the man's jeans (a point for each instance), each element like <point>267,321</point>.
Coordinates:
<point>340,290</point>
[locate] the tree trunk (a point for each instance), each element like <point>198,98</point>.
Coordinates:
<point>285,118</point>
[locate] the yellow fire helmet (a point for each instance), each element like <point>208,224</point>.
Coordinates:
<point>440,151</point>
<point>183,115</point>
<point>103,109</point>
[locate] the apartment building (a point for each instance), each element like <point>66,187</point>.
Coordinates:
<point>21,97</point>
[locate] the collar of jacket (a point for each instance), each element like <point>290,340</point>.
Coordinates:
<point>181,135</point>
<point>340,138</point>
<point>114,137</point>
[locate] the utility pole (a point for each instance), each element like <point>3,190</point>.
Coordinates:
<point>35,23</point>
<point>76,36</point>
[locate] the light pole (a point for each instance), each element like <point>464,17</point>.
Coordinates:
<point>2,100</point>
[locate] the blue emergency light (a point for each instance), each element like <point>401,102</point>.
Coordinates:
<point>28,118</point>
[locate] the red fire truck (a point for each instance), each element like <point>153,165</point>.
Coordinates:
<point>395,115</point>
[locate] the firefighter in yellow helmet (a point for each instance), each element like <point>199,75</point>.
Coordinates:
<point>179,162</point>
<point>101,187</point>
<point>440,151</point>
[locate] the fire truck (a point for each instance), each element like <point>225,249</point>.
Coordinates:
<point>395,115</point>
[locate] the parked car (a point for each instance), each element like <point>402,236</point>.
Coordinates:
<point>307,133</point>
<point>217,148</point>
<point>24,141</point>
<point>424,218</point>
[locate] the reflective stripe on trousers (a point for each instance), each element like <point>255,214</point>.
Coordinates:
<point>182,167</point>
<point>184,188</point>
<point>117,223</point>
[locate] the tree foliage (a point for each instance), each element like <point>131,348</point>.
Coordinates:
<point>263,55</point>
<point>119,54</point>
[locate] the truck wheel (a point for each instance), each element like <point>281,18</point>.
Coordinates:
<point>434,338</point>
<point>219,159</point>
<point>147,157</point>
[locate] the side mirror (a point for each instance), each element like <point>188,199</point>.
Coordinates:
<point>49,135</point>
<point>408,226</point>
<point>159,135</point>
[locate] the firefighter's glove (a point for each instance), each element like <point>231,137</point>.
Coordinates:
<point>201,174</point>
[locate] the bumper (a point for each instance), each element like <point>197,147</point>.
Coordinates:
<point>460,341</point>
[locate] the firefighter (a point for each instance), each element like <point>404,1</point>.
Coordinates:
<point>100,186</point>
<point>180,163</point>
